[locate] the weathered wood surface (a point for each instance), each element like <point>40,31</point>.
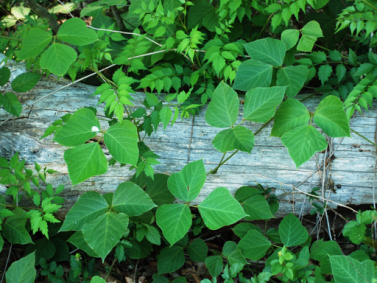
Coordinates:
<point>352,170</point>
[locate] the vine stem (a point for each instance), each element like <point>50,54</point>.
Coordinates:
<point>360,135</point>
<point>370,5</point>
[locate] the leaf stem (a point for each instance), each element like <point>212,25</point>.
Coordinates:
<point>360,135</point>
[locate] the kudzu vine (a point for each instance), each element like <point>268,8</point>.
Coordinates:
<point>197,53</point>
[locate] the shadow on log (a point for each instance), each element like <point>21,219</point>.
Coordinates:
<point>349,179</point>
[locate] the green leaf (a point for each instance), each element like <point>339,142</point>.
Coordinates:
<point>57,58</point>
<point>290,37</point>
<point>260,103</point>
<point>25,82</point>
<point>153,235</point>
<point>4,77</point>
<point>236,257</point>
<point>174,220</point>
<point>97,279</point>
<point>317,4</point>
<point>34,43</point>
<point>241,229</point>
<point>43,248</point>
<point>303,142</point>
<point>238,137</point>
<point>220,209</point>
<point>14,228</point>
<point>88,207</point>
<point>293,77</point>
<point>254,245</point>
<point>165,116</point>
<point>222,111</point>
<point>82,126</point>
<point>11,104</point>
<point>245,192</point>
<point>252,74</point>
<point>268,50</point>
<point>349,270</point>
<point>355,231</point>
<point>92,9</point>
<point>22,271</point>
<point>77,239</point>
<point>215,265</point>
<point>324,73</point>
<point>321,251</point>
<point>103,233</point>
<point>187,183</point>
<point>171,259</point>
<point>85,161</point>
<point>74,31</point>
<point>331,117</point>
<point>257,208</point>
<point>139,250</point>
<point>202,13</point>
<point>312,28</point>
<point>198,250</point>
<point>131,200</point>
<point>158,191</point>
<point>121,139</point>
<point>306,43</point>
<point>290,115</point>
<point>292,233</point>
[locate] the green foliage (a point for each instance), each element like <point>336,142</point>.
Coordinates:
<point>22,270</point>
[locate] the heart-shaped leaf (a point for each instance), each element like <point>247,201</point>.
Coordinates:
<point>25,82</point>
<point>290,115</point>
<point>34,43</point>
<point>82,126</point>
<point>291,231</point>
<point>260,103</point>
<point>131,200</point>
<point>252,74</point>
<point>222,111</point>
<point>121,139</point>
<point>186,185</point>
<point>331,117</point>
<point>174,220</point>
<point>158,190</point>
<point>254,245</point>
<point>268,50</point>
<point>348,270</point>
<point>85,161</point>
<point>103,233</point>
<point>220,209</point>
<point>22,271</point>
<point>303,142</point>
<point>171,259</point>
<point>215,265</point>
<point>238,137</point>
<point>290,37</point>
<point>257,208</point>
<point>57,58</point>
<point>74,31</point>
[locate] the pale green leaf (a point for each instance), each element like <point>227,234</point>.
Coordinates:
<point>25,82</point>
<point>291,231</point>
<point>220,209</point>
<point>222,111</point>
<point>74,31</point>
<point>324,73</point>
<point>121,139</point>
<point>348,270</point>
<point>257,208</point>
<point>171,259</point>
<point>88,207</point>
<point>290,115</point>
<point>22,271</point>
<point>238,137</point>
<point>268,50</point>
<point>254,245</point>
<point>312,28</point>
<point>77,239</point>
<point>131,200</point>
<point>97,279</point>
<point>103,233</point>
<point>165,116</point>
<point>290,37</point>
<point>174,220</point>
<point>260,103</point>
<point>293,77</point>
<point>82,126</point>
<point>303,142</point>
<point>57,58</point>
<point>331,117</point>
<point>34,43</point>
<point>215,265</point>
<point>252,74</point>
<point>306,43</point>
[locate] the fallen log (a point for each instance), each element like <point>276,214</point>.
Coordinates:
<point>350,177</point>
